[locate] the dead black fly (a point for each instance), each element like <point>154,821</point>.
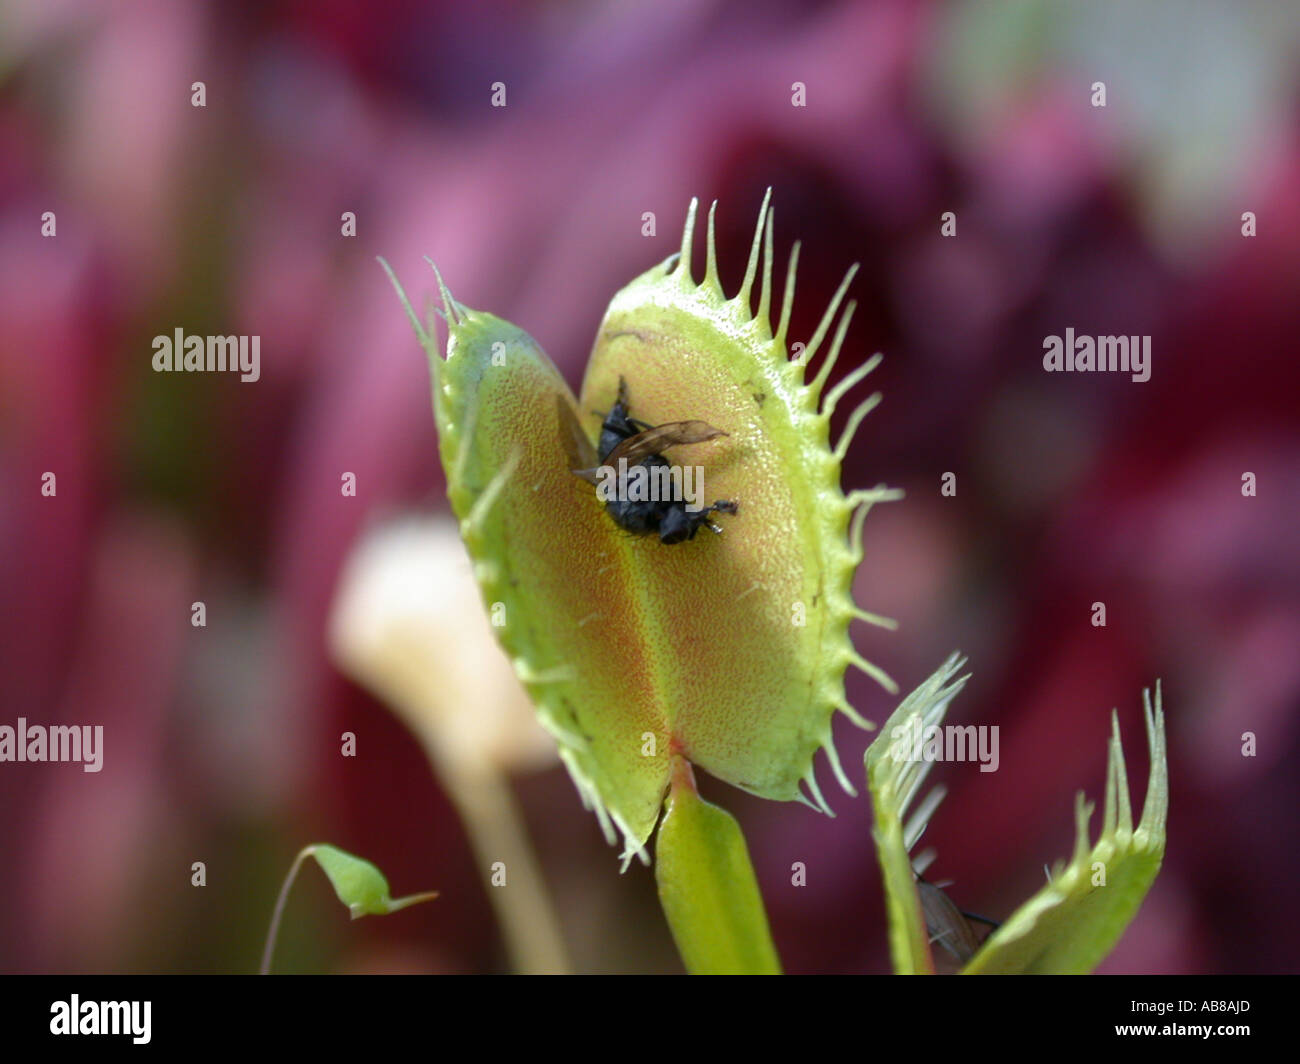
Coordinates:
<point>630,452</point>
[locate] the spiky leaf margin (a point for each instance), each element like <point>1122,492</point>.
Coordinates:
<point>1069,926</point>
<point>687,350</point>
<point>894,782</point>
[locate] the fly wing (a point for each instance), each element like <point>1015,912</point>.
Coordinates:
<point>578,449</point>
<point>660,438</point>
<point>945,922</point>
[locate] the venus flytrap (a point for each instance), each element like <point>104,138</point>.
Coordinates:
<point>894,782</point>
<point>1075,920</point>
<point>726,652</point>
<point>1070,925</point>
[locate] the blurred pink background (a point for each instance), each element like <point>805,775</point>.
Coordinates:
<point>222,742</point>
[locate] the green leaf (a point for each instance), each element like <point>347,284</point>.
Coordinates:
<point>1070,925</point>
<point>707,887</point>
<point>359,884</point>
<point>894,781</point>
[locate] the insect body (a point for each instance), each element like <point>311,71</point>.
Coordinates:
<point>948,925</point>
<point>629,449</point>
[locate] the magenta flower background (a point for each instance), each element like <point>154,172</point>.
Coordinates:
<point>222,742</point>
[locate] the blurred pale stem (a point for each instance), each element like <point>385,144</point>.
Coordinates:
<point>495,826</point>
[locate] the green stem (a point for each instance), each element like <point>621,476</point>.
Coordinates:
<point>707,886</point>
<point>273,932</point>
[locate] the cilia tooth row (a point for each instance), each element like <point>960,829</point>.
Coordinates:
<point>814,413</point>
